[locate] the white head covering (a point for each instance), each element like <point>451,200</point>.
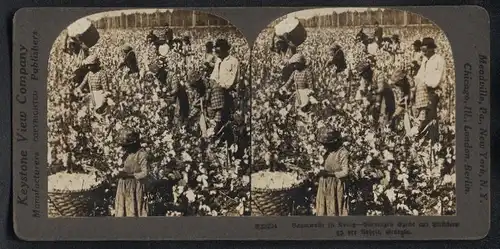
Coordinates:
<point>297,58</point>
<point>91,60</point>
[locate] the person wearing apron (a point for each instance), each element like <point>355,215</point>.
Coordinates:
<point>302,78</point>
<point>332,197</point>
<point>98,82</point>
<point>131,195</point>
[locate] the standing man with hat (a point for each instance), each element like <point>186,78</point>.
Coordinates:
<point>332,197</point>
<point>428,80</point>
<point>131,194</point>
<point>222,82</point>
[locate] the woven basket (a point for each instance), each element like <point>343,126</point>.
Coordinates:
<point>79,203</point>
<point>274,202</point>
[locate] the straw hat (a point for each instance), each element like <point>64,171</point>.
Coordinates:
<point>128,136</point>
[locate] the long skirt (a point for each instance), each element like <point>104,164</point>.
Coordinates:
<point>331,199</point>
<point>131,199</point>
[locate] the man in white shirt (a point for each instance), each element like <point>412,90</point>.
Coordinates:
<point>429,78</point>
<point>222,81</point>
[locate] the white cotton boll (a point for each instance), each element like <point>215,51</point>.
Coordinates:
<point>283,112</point>
<point>391,195</point>
<point>245,180</point>
<point>82,113</point>
<point>71,182</point>
<point>388,156</point>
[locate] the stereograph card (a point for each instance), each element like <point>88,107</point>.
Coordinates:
<point>251,123</point>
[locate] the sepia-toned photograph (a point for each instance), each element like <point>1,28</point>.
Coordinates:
<point>147,116</point>
<point>353,113</point>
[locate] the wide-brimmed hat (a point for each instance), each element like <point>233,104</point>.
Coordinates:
<point>297,58</point>
<point>417,43</point>
<point>222,44</point>
<point>429,42</point>
<point>128,136</point>
<point>209,44</point>
<point>92,60</point>
<point>328,135</point>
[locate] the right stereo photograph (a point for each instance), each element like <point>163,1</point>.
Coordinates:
<point>353,114</point>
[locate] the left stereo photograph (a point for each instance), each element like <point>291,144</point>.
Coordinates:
<point>146,115</point>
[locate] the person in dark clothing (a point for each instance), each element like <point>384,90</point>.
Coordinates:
<point>129,60</point>
<point>385,103</point>
<point>157,72</point>
<point>365,72</point>
<point>362,38</point>
<point>401,80</point>
<point>152,38</point>
<point>282,45</point>
<point>338,59</point>
<point>178,100</point>
<point>210,58</point>
<point>416,59</point>
<point>186,46</point>
<point>74,46</point>
<point>169,36</point>
<point>378,34</point>
<point>286,49</point>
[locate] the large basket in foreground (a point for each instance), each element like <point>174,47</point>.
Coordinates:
<point>275,201</point>
<point>75,203</point>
